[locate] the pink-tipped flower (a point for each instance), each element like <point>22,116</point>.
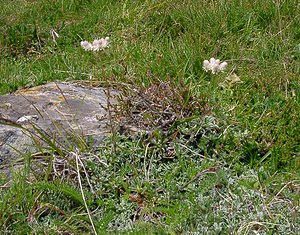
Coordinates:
<point>86,45</point>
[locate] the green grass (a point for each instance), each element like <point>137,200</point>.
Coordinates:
<point>247,133</point>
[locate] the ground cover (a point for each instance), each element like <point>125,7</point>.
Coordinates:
<point>206,153</point>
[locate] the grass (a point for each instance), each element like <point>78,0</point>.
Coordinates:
<point>228,163</point>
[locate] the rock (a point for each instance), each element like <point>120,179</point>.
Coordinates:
<point>55,109</point>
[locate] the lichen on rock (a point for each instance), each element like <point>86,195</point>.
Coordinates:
<point>55,109</point>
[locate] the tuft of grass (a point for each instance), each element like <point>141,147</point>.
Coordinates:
<point>193,152</point>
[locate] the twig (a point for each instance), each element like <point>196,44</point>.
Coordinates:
<point>81,190</point>
<point>62,93</point>
<point>86,174</point>
<point>6,121</point>
<point>287,184</point>
<point>145,156</point>
<point>6,185</point>
<point>211,170</point>
<point>198,154</point>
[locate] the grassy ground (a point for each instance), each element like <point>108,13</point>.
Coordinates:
<point>228,163</point>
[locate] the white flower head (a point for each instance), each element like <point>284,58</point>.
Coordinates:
<point>206,65</point>
<point>100,44</point>
<point>97,45</point>
<point>86,45</point>
<point>223,66</point>
<point>214,65</point>
<point>105,42</point>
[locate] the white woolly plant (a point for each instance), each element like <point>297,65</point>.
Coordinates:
<point>215,66</point>
<point>96,45</point>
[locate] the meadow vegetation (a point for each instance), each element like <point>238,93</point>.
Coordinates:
<point>220,154</point>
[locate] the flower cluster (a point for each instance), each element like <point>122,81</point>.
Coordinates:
<point>214,65</point>
<point>97,45</point>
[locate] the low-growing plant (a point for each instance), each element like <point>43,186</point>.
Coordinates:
<point>197,145</point>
